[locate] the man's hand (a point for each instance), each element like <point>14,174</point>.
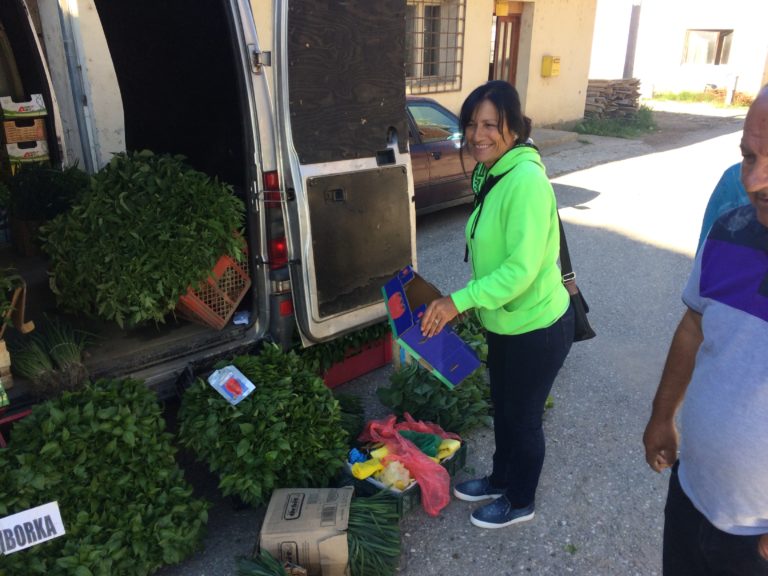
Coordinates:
<point>762,546</point>
<point>661,441</point>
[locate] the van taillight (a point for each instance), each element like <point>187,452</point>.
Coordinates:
<point>286,308</point>
<point>271,181</point>
<point>278,253</point>
<point>278,246</point>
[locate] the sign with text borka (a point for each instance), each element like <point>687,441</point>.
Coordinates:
<point>31,527</point>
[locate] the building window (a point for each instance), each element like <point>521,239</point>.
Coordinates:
<point>707,46</point>
<point>434,42</point>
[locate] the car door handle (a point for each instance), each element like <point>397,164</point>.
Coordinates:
<point>436,155</point>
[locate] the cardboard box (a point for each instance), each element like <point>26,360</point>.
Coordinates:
<point>35,106</point>
<point>24,130</point>
<point>308,527</point>
<point>28,151</point>
<point>446,355</point>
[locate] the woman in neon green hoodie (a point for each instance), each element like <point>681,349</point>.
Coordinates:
<point>513,243</point>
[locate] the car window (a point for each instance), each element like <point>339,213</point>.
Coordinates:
<point>434,123</point>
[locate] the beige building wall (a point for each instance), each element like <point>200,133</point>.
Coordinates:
<point>661,41</point>
<point>558,28</point>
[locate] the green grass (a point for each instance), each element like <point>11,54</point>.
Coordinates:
<point>641,124</point>
<point>684,96</point>
<point>714,97</point>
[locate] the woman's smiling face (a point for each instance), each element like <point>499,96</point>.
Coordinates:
<point>486,139</point>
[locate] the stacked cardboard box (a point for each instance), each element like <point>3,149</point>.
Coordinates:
<point>24,129</point>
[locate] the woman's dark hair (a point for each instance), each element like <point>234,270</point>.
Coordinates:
<point>505,99</point>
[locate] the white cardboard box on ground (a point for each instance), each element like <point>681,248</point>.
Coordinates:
<point>308,527</point>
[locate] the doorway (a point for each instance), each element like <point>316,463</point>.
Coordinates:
<point>506,46</point>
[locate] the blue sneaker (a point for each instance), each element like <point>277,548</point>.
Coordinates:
<point>476,490</point>
<point>500,513</point>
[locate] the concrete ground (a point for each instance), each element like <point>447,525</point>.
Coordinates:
<point>631,209</point>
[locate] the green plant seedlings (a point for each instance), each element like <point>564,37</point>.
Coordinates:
<point>38,192</point>
<point>321,357</point>
<point>147,229</point>
<point>103,453</point>
<point>416,391</point>
<point>286,433</point>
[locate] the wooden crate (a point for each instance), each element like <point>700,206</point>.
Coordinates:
<point>24,130</point>
<point>5,366</point>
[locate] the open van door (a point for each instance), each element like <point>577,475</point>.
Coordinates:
<point>341,120</point>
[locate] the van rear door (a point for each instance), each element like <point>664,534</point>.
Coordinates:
<point>341,122</point>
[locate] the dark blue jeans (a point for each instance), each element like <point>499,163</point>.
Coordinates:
<point>522,369</point>
<point>693,546</point>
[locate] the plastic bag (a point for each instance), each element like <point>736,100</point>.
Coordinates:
<point>433,479</point>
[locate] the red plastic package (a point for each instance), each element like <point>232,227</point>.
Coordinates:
<point>433,479</point>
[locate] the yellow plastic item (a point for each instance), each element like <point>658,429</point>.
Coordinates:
<point>395,475</point>
<point>447,448</point>
<point>379,452</point>
<point>361,470</point>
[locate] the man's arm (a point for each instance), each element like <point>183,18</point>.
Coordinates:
<point>661,438</point>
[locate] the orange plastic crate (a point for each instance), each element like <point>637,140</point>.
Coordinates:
<point>214,301</point>
<point>24,130</point>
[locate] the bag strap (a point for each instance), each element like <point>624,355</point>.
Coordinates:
<point>566,268</point>
<point>487,186</point>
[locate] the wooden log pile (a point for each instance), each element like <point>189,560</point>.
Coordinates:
<point>612,98</point>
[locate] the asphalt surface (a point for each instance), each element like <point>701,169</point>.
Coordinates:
<point>631,210</point>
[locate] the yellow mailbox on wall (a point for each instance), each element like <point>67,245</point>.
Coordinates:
<point>550,66</point>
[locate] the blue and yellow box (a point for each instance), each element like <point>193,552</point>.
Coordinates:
<point>445,355</point>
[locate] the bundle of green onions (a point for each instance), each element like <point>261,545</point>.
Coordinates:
<point>373,537</point>
<point>51,358</point>
<point>31,361</point>
<point>65,347</point>
<point>262,565</point>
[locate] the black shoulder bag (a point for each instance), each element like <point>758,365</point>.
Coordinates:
<point>582,329</point>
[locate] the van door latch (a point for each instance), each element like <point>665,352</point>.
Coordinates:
<point>259,59</point>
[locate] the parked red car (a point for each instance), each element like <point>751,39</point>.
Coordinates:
<point>440,179</point>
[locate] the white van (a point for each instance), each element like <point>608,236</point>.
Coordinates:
<point>303,114</point>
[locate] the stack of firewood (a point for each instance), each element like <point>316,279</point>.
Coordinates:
<point>612,98</point>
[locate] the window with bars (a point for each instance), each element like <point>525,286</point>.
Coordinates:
<point>434,42</point>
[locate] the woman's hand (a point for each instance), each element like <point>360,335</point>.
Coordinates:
<point>438,314</point>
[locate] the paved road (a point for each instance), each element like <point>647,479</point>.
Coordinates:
<point>632,225</point>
